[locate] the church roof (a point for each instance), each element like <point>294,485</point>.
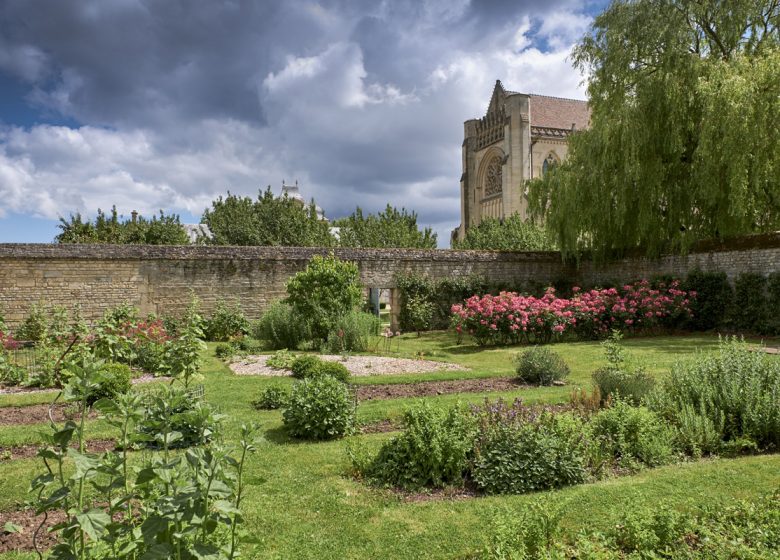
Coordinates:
<point>558,112</point>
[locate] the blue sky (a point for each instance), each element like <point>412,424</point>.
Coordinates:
<point>166,105</point>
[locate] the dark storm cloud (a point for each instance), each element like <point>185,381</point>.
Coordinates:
<point>177,101</point>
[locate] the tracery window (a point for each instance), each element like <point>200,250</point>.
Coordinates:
<point>494,177</point>
<point>549,162</point>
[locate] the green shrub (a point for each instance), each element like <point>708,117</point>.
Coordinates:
<point>632,386</point>
<point>713,299</point>
<point>224,351</point>
<point>773,290</point>
<point>305,365</point>
<point>179,412</point>
<point>432,450</point>
<point>272,398</point>
<point>35,325</point>
<point>750,310</point>
<point>249,345</point>
<point>327,290</point>
<point>282,359</point>
<point>442,294</point>
<point>540,366</point>
<point>280,327</point>
<point>333,369</point>
<point>519,450</point>
<point>419,313</point>
<point>642,530</point>
<point>633,436</point>
<point>533,532</point>
<point>736,388</point>
<point>353,332</point>
<point>115,380</point>
<point>226,322</point>
<point>319,408</point>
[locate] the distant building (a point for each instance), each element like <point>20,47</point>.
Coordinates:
<point>293,192</point>
<point>519,138</point>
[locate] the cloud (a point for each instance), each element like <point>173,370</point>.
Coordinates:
<point>175,103</point>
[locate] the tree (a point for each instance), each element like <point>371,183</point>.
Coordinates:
<point>389,228</point>
<point>511,234</point>
<point>159,230</point>
<point>269,220</point>
<point>683,142</point>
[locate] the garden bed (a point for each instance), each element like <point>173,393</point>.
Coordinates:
<point>434,388</point>
<point>31,450</point>
<point>359,366</point>
<point>28,523</point>
<point>20,390</point>
<point>37,413</point>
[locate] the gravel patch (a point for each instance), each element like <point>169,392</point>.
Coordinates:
<point>359,366</point>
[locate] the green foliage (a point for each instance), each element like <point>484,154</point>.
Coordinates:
<point>540,365</point>
<point>323,293</point>
<point>35,326</point>
<point>271,398</point>
<point>183,353</point>
<point>634,437</point>
<point>519,450</point>
<point>750,311</point>
<point>713,299</point>
<point>280,327</point>
<point>176,417</point>
<point>389,228</point>
<point>159,230</point>
<point>677,148</point>
<point>336,370</point>
<point>632,384</point>
<point>224,351</point>
<point>353,332</point>
<point>283,359</point>
<point>269,220</point>
<point>441,293</point>
<point>733,391</point>
<point>419,313</point>
<point>773,290</point>
<point>432,450</point>
<point>510,234</point>
<point>319,408</point>
<point>305,365</point>
<point>532,532</point>
<point>114,380</point>
<point>227,322</point>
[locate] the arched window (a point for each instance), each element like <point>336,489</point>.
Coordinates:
<point>493,177</point>
<point>549,162</point>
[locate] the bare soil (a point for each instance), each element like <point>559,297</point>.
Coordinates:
<point>36,413</point>
<point>433,388</point>
<point>31,450</point>
<point>357,365</point>
<point>381,427</point>
<point>28,522</point>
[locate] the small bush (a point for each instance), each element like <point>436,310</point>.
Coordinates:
<point>334,369</point>
<point>632,386</point>
<point>115,380</point>
<point>176,410</point>
<point>305,365</point>
<point>35,326</point>
<point>713,299</point>
<point>431,451</point>
<point>280,327</point>
<point>224,351</point>
<point>319,408</point>
<point>283,359</point>
<point>227,322</point>
<point>540,366</point>
<point>519,450</point>
<point>353,332</point>
<point>272,398</point>
<point>633,436</point>
<point>419,313</point>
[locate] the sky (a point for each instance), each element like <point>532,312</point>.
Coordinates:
<point>150,105</point>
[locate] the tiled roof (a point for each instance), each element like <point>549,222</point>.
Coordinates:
<point>557,112</point>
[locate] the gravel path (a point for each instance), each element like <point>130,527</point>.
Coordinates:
<point>357,366</point>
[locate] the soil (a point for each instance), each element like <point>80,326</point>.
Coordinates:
<point>31,450</point>
<point>36,413</point>
<point>29,522</point>
<point>381,427</point>
<point>360,366</point>
<point>433,388</point>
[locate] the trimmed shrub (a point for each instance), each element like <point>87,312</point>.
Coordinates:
<point>280,327</point>
<point>224,351</point>
<point>305,365</point>
<point>633,436</point>
<point>713,299</point>
<point>432,450</point>
<point>750,310</point>
<point>333,369</point>
<point>319,408</point>
<point>227,321</point>
<point>353,332</point>
<point>115,380</point>
<point>540,366</point>
<point>519,450</point>
<point>272,397</point>
<point>735,389</point>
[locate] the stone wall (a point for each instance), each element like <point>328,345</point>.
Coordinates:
<point>161,279</point>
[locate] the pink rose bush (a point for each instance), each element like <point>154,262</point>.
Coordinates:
<point>509,318</point>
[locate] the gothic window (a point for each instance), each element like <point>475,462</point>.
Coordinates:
<point>549,162</point>
<point>493,177</point>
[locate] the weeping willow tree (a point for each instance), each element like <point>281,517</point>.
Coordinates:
<point>684,140</point>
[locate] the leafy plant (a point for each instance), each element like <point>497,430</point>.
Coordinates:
<point>319,408</point>
<point>541,366</point>
<point>280,327</point>
<point>419,313</point>
<point>272,398</point>
<point>750,311</point>
<point>114,380</point>
<point>353,332</point>
<point>35,326</point>
<point>532,532</point>
<point>226,322</point>
<point>714,297</point>
<point>282,359</point>
<point>618,378</point>
<point>224,351</point>
<point>334,369</point>
<point>305,365</point>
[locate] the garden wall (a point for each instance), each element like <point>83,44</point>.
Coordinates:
<point>161,279</point>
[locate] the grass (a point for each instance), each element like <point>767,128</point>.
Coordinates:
<point>301,503</point>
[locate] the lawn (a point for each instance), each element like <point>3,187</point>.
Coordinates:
<point>301,503</point>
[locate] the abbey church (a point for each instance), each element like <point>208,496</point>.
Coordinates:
<point>519,138</point>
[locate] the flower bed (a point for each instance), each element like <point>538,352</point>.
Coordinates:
<point>511,318</point>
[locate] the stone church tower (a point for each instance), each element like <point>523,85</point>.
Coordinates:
<point>519,138</point>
